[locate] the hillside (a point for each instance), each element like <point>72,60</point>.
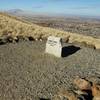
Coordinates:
<point>12,26</point>
<point>74,24</point>
<point>28,73</point>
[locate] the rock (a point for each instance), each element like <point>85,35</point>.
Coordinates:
<point>25,38</point>
<point>81,92</point>
<point>96,98</point>
<point>81,97</point>
<point>94,79</point>
<point>31,38</point>
<point>15,39</point>
<point>21,38</point>
<point>82,84</point>
<point>96,90</point>
<point>3,41</point>
<point>10,39</point>
<point>66,39</point>
<point>65,95</point>
<point>36,39</point>
<point>57,97</point>
<point>41,40</point>
<point>54,46</point>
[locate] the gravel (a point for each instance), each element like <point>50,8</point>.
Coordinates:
<point>27,73</point>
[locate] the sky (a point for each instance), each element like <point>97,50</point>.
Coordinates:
<point>73,7</point>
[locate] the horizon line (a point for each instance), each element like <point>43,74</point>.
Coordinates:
<point>52,13</point>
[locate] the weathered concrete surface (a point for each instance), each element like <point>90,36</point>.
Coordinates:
<point>54,46</point>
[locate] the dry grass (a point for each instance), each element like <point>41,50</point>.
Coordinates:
<point>14,27</point>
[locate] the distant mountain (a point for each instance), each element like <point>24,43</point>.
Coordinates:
<point>20,12</point>
<point>30,14</point>
<point>15,11</point>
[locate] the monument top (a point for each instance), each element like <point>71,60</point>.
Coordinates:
<point>54,38</point>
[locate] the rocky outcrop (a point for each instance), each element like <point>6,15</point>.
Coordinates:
<point>85,90</point>
<point>65,94</point>
<point>96,91</point>
<point>82,84</point>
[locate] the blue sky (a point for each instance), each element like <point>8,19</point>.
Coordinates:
<point>74,7</point>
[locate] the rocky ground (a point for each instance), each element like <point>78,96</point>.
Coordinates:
<point>27,73</point>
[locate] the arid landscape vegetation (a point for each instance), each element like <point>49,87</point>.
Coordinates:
<point>28,73</point>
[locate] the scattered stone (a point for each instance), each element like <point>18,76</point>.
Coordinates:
<point>41,40</point>
<point>96,98</point>
<point>10,39</point>
<point>82,84</point>
<point>54,46</point>
<point>31,38</point>
<point>66,95</point>
<point>81,92</point>
<point>16,39</point>
<point>25,38</point>
<point>2,41</point>
<point>57,97</point>
<point>91,46</point>
<point>36,39</point>
<point>21,38</point>
<point>81,97</point>
<point>94,79</point>
<point>96,90</point>
<point>66,39</point>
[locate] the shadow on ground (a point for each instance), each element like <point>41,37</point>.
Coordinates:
<point>69,50</point>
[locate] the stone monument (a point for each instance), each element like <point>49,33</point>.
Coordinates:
<point>54,46</point>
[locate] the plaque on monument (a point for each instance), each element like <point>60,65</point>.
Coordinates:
<point>54,46</point>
